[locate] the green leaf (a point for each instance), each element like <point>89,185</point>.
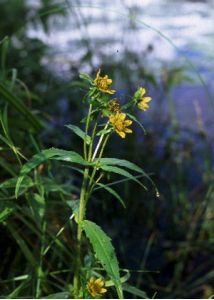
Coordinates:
<point>6,208</point>
<point>11,183</point>
<point>104,131</point>
<point>19,105</point>
<point>28,253</point>
<point>17,290</point>
<point>78,131</point>
<point>104,252</point>
<point>37,204</point>
<point>86,77</point>
<point>121,163</point>
<point>122,172</point>
<point>7,167</point>
<point>113,192</point>
<point>138,122</point>
<point>74,205</point>
<point>52,153</point>
<point>135,291</point>
<point>123,279</point>
<point>127,164</point>
<point>62,295</point>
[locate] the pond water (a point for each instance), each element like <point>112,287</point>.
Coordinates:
<point>160,33</point>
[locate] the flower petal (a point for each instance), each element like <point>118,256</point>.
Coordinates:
<point>99,281</point>
<point>121,134</point>
<point>122,116</point>
<point>127,130</point>
<point>91,280</point>
<point>146,99</point>
<point>142,91</point>
<point>127,122</point>
<point>109,91</point>
<point>102,291</point>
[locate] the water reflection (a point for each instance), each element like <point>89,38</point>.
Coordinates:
<point>131,33</point>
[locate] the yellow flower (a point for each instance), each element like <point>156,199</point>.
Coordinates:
<point>114,105</point>
<point>102,83</point>
<point>142,104</point>
<point>95,287</point>
<point>120,124</point>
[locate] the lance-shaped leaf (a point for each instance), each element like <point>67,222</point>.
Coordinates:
<point>52,153</point>
<point>121,163</point>
<point>18,105</point>
<point>104,252</point>
<point>6,208</point>
<point>78,131</point>
<point>135,291</point>
<point>126,164</point>
<point>122,172</point>
<point>111,191</point>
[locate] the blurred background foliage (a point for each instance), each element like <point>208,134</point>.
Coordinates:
<point>167,242</point>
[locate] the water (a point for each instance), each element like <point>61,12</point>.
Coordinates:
<point>96,32</point>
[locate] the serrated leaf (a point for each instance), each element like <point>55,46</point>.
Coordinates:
<point>52,153</point>
<point>104,252</point>
<point>122,172</point>
<point>113,192</point>
<point>78,131</point>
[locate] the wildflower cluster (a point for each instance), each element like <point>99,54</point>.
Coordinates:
<point>100,93</point>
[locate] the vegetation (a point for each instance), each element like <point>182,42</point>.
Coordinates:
<point>75,222</point>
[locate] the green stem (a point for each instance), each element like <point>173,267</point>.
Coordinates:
<point>85,193</point>
<point>81,216</point>
<point>99,142</point>
<point>91,142</point>
<point>90,189</point>
<point>40,273</point>
<point>86,130</point>
<point>82,208</point>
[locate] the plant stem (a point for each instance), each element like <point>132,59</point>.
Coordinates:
<point>90,185</point>
<point>99,142</point>
<point>85,193</point>
<point>91,143</point>
<point>81,216</point>
<point>82,207</point>
<point>86,130</point>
